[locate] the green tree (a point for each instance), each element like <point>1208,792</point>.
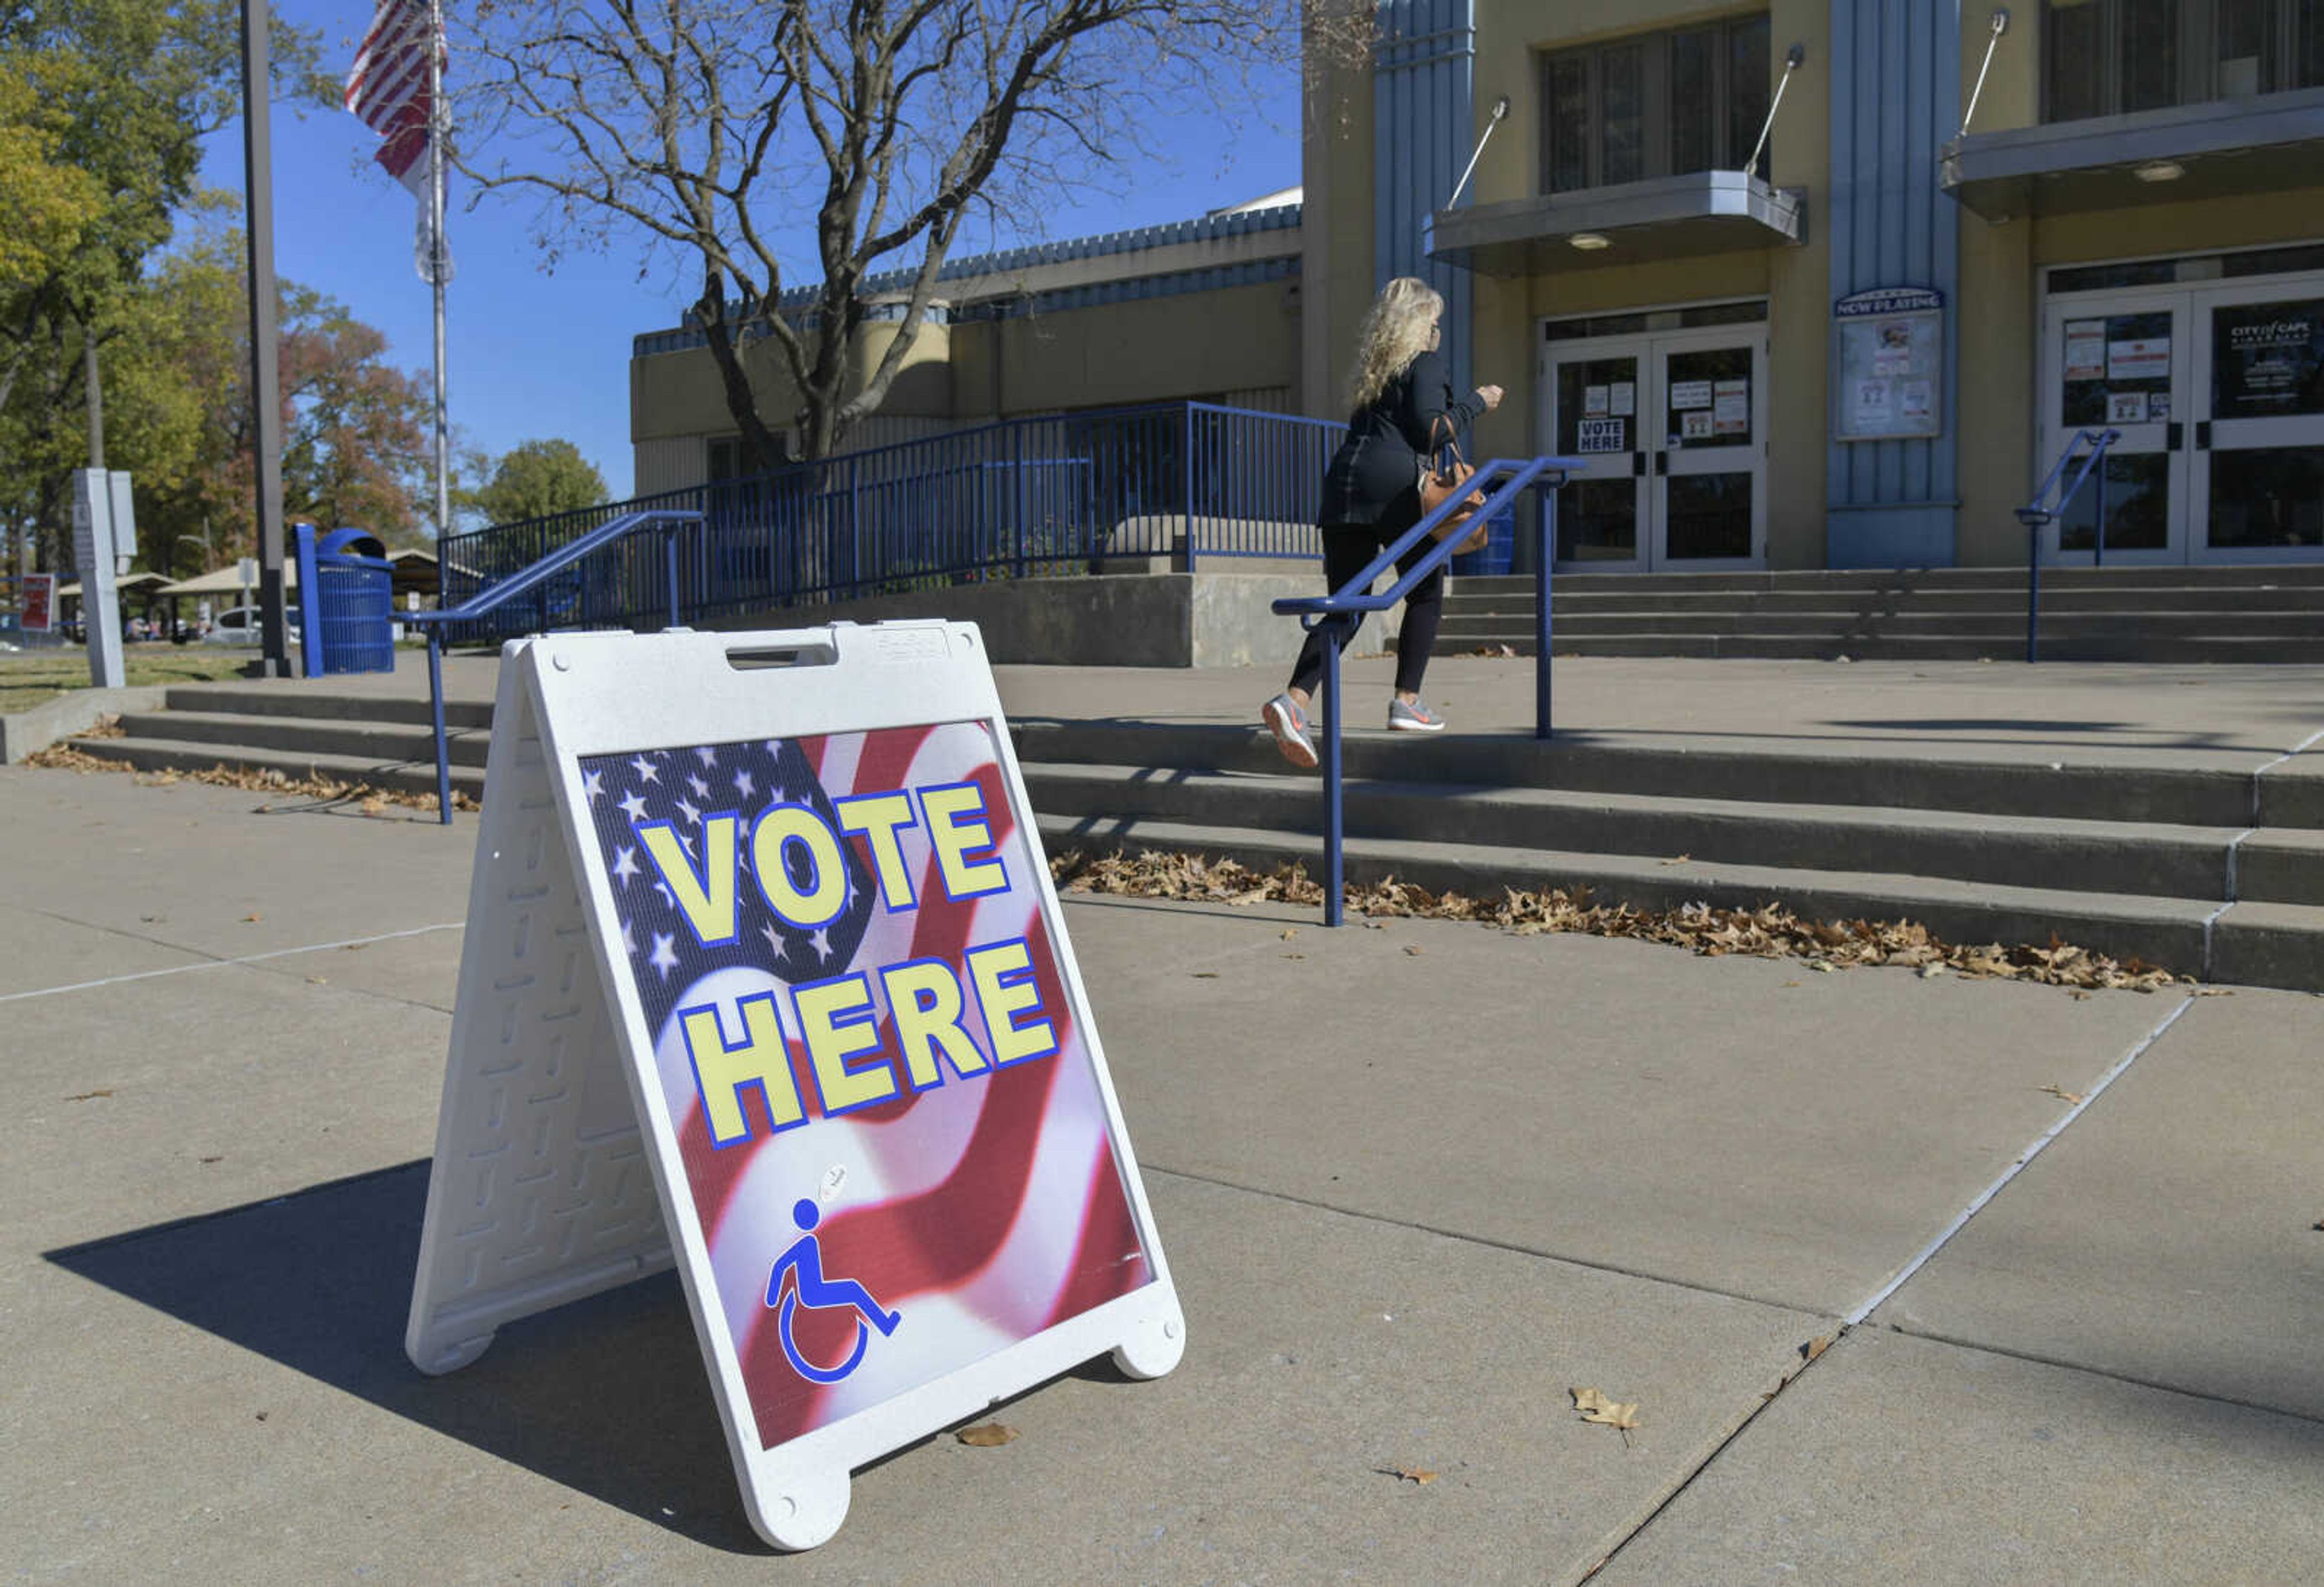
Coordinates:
<point>537,478</point>
<point>118,94</point>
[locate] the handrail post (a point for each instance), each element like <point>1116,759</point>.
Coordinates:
<point>436,712</point>
<point>1187,460</point>
<point>670,553</point>
<point>1334,825</point>
<point>1541,663</point>
<point>2097,542</point>
<point>2033,518</point>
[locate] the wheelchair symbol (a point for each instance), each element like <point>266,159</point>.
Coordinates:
<point>804,1262</point>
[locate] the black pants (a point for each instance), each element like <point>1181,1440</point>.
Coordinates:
<point>1348,549</point>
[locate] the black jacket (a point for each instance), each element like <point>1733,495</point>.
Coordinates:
<point>1378,458</point>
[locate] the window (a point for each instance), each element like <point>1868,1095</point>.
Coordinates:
<point>2117,56</point>
<point>1659,105</point>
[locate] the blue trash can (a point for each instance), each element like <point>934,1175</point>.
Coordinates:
<point>347,596</point>
<point>1500,549</point>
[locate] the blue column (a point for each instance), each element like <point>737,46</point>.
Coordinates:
<point>1423,127</point>
<point>1896,97</point>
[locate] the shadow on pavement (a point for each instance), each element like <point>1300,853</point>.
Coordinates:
<point>607,1396</point>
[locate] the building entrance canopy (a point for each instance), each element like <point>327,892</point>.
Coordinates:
<point>2220,147</point>
<point>1670,217</point>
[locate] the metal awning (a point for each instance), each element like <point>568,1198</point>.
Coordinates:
<point>1670,217</point>
<point>2267,144</point>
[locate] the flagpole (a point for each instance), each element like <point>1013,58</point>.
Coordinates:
<point>436,123</point>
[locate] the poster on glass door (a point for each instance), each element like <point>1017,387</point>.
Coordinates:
<point>2267,359</point>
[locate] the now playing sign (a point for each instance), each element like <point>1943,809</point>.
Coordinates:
<point>765,977</point>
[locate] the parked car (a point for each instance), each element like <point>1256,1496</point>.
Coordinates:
<point>243,625</point>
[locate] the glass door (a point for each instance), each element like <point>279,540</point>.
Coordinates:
<point>1597,398</point>
<point>2256,468</point>
<point>2119,362</point>
<point>1709,484</point>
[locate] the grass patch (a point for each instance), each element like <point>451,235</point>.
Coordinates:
<point>31,680</point>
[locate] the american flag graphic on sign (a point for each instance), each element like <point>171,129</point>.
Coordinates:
<point>957,1173</point>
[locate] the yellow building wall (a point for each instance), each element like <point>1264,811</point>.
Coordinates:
<point>1335,271</point>
<point>680,393</point>
<point>2000,296</point>
<point>1512,34</point>
<point>1151,350</point>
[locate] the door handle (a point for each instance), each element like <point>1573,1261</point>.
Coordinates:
<point>2174,435</point>
<point>1637,464</point>
<point>1662,464</point>
<point>2202,435</point>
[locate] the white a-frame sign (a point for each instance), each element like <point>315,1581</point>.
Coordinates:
<point>764,976</point>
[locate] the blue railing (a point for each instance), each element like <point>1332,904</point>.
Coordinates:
<point>542,576</point>
<point>2042,512</point>
<point>1017,499</point>
<point>1338,613</point>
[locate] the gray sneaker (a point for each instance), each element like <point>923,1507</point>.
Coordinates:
<point>1288,723</point>
<point>1415,718</point>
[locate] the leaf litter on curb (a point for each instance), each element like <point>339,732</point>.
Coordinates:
<point>1768,932</point>
<point>366,799</point>
<point>987,1435</point>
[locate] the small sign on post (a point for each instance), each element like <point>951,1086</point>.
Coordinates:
<point>765,977</point>
<point>40,602</point>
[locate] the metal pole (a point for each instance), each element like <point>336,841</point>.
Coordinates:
<point>95,398</point>
<point>435,704</point>
<point>1541,617</point>
<point>2033,521</point>
<point>2000,25</point>
<point>437,124</point>
<point>1333,825</point>
<point>265,388</point>
<point>1792,58</point>
<point>669,545</point>
<point>1500,113</point>
<point>2097,545</point>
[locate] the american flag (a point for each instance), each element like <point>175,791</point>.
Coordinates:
<point>388,90</point>
<point>985,1209</point>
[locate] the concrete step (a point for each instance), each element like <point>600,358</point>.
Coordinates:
<point>2077,855</point>
<point>2253,944</point>
<point>2283,575</point>
<point>2208,650</point>
<point>2195,791</point>
<point>319,700</point>
<point>180,754</point>
<point>2119,605</point>
<point>2162,624</point>
<point>348,737</point>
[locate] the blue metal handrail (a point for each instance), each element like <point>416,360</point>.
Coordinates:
<point>669,519</point>
<point>1338,613</point>
<point>2041,512</point>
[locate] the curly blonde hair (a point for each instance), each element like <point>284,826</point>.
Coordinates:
<point>1397,330</point>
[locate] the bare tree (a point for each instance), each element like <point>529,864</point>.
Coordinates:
<point>719,127</point>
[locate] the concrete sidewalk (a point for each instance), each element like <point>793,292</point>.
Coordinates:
<point>2077,711</point>
<point>1415,1184</point>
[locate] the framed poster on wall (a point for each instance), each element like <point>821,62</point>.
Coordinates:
<point>1891,343</point>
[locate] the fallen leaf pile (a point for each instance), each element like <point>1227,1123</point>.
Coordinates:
<point>1769,931</point>
<point>314,785</point>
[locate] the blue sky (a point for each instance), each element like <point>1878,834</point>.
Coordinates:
<point>533,355</point>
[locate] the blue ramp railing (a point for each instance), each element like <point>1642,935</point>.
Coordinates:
<point>1336,615</point>
<point>2043,511</point>
<point>1024,498</point>
<point>529,582</point>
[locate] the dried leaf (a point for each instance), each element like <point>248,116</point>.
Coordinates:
<point>90,1095</point>
<point>1929,972</point>
<point>1289,932</point>
<point>252,919</point>
<point>1414,949</point>
<point>1597,1408</point>
<point>1676,860</point>
<point>1295,955</point>
<point>1206,975</point>
<point>2062,1094</point>
<point>1411,1475</point>
<point>2215,992</point>
<point>991,1436</point>
<point>317,981</point>
<point>1768,932</point>
<point>1815,1347</point>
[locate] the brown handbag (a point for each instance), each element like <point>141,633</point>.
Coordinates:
<point>1442,474</point>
